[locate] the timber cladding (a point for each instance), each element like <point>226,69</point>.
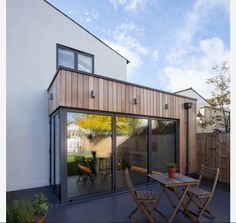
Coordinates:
<point>73,89</point>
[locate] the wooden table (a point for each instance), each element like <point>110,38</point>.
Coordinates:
<point>172,184</point>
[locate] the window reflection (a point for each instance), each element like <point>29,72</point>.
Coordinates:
<point>131,149</point>
<point>89,146</point>
<point>66,58</point>
<point>85,63</point>
<point>163,144</point>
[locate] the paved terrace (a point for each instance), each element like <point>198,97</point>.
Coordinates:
<point>117,207</point>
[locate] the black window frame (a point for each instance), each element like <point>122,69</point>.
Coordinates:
<point>76,53</point>
<point>62,111</point>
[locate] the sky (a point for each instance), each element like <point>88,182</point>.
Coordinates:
<point>171,44</point>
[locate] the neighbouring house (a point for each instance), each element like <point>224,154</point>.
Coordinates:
<point>73,120</point>
<point>209,119</point>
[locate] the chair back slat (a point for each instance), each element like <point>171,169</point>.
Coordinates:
<point>130,185</point>
<point>210,173</point>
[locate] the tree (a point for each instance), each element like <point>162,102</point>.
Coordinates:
<point>203,122</point>
<point>220,101</point>
<point>97,127</point>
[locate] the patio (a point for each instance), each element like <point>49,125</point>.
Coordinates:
<point>116,208</point>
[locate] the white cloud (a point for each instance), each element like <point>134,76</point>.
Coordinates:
<point>115,3</point>
<point>130,42</point>
<point>125,35</point>
<point>126,43</point>
<point>194,20</point>
<point>201,5</point>
<point>130,27</point>
<point>189,63</point>
<point>71,12</point>
<point>134,58</point>
<point>130,5</point>
<point>91,14</point>
<point>155,56</point>
<point>87,15</point>
<point>194,71</point>
<point>88,19</point>
<point>135,4</point>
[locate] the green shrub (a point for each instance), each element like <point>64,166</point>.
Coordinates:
<point>20,211</point>
<point>27,210</point>
<point>40,204</point>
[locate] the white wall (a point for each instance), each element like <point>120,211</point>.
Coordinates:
<point>190,93</point>
<point>33,29</point>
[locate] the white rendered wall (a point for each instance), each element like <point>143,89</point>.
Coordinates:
<point>33,29</point>
<point>190,93</point>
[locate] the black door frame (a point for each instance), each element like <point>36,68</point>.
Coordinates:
<point>62,111</point>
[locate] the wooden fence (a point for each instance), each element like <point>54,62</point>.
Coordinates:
<point>213,150</point>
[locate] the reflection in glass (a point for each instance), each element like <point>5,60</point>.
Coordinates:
<point>163,144</point>
<point>131,150</point>
<point>52,150</point>
<point>57,182</point>
<point>89,147</point>
<point>85,63</point>
<point>66,58</point>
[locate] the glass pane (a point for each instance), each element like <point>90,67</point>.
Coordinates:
<point>85,63</point>
<point>89,150</point>
<point>131,150</point>
<point>66,58</point>
<point>163,144</point>
<point>52,150</point>
<point>57,157</point>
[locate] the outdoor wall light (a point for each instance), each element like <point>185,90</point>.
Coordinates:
<point>93,94</point>
<point>136,100</point>
<point>166,106</point>
<point>50,96</point>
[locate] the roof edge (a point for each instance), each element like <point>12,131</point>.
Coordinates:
<point>116,80</point>
<point>127,61</point>
<point>193,91</point>
<point>190,88</point>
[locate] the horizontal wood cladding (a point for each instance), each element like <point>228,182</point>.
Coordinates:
<point>72,89</point>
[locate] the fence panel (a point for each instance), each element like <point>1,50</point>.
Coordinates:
<point>213,150</point>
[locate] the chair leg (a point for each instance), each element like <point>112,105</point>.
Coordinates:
<point>147,213</point>
<point>78,179</point>
<point>209,212</point>
<point>92,178</point>
<point>206,209</point>
<point>85,178</point>
<point>132,212</point>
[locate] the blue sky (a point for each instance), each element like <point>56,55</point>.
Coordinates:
<point>171,44</point>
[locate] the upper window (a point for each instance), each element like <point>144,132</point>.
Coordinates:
<point>75,59</point>
<point>85,62</point>
<point>66,58</point>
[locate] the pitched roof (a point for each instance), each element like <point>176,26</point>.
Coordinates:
<point>193,91</point>
<point>84,29</point>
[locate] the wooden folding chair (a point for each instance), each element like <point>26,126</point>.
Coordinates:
<point>201,197</point>
<point>85,174</point>
<point>145,200</point>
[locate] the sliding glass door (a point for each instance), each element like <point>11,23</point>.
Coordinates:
<point>55,154</point>
<point>89,153</point>
<point>163,144</point>
<point>131,150</point>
